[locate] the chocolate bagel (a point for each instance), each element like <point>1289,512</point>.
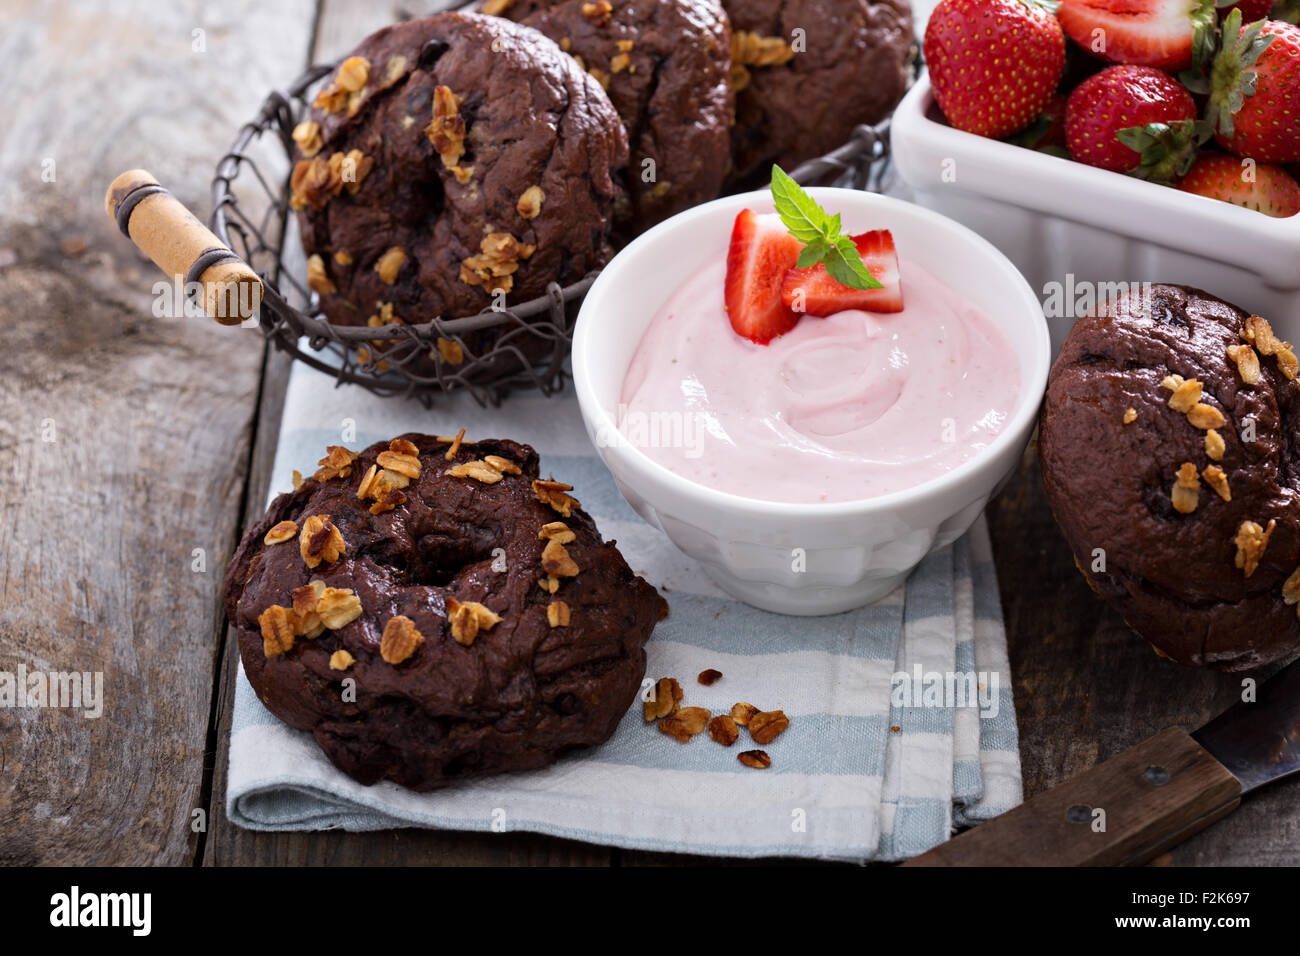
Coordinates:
<point>448,159</point>
<point>806,72</point>
<point>1168,444</point>
<point>483,622</point>
<point>666,65</point>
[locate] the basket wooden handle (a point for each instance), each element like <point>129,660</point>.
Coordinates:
<point>183,247</point>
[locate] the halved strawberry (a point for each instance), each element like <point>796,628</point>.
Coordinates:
<point>760,255</point>
<point>1162,33</point>
<point>812,290</point>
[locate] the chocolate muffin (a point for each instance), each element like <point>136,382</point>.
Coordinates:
<point>1168,444</point>
<point>447,158</point>
<point>666,66</point>
<point>483,623</point>
<point>806,72</point>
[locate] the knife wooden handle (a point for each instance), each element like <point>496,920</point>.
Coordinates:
<point>1151,797</point>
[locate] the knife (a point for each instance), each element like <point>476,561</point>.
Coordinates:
<point>1151,797</point>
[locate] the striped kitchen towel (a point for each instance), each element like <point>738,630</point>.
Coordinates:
<point>876,764</point>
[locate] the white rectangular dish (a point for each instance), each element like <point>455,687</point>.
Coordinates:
<point>1063,222</point>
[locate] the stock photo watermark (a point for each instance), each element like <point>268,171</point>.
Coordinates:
<point>60,690</point>
<point>639,428</point>
<point>950,689</point>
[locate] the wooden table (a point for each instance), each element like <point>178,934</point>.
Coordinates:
<point>135,449</point>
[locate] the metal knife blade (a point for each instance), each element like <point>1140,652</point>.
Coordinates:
<point>1259,741</point>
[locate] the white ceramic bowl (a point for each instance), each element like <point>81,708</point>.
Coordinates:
<point>857,551</point>
<point>1056,218</point>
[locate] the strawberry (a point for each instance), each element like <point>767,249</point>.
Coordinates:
<point>1266,188</point>
<point>760,255</point>
<point>1255,90</point>
<point>1288,11</point>
<point>1047,133</point>
<point>1134,119</point>
<point>1169,34</point>
<point>1251,10</point>
<point>993,63</point>
<point>813,291</point>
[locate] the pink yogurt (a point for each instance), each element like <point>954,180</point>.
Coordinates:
<point>851,406</point>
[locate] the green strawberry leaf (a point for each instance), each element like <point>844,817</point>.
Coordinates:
<point>1231,76</point>
<point>1165,151</point>
<point>820,232</point>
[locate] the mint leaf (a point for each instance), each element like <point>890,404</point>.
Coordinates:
<point>813,253</point>
<point>820,232</point>
<point>846,267</point>
<point>804,219</point>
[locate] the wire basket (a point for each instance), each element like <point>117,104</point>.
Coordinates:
<point>530,340</point>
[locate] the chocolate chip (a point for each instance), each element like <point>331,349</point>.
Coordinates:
<point>431,53</point>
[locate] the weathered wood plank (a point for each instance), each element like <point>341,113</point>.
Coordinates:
<point>123,437</point>
<point>1088,688</point>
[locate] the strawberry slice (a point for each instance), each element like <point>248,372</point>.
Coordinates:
<point>813,291</point>
<point>1160,33</point>
<point>761,253</point>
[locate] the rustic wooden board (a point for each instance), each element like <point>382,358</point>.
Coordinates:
<point>154,420</point>
<point>150,417</point>
<point>1088,688</point>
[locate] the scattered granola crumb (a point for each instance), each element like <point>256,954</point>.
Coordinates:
<point>1247,362</point>
<point>1187,489</point>
<point>284,531</point>
<point>341,660</point>
<point>338,607</point>
<point>453,353</point>
<point>1205,416</point>
<point>446,130</point>
<point>1214,477</point>
<point>598,12</point>
<point>390,264</point>
<point>1214,445</point>
<point>767,725</point>
<point>1251,541</point>
<point>1130,416</point>
<point>557,614</point>
<point>478,470</point>
<point>455,445</point>
<point>557,562</point>
<point>555,494</point>
<point>742,712</point>
<point>1185,396</point>
<point>468,618</point>
<point>277,626</point>
<point>1259,333</point>
<point>337,463</point>
<point>530,203</point>
<point>1291,589</point>
<point>709,677</point>
<point>400,639</point>
<point>664,701</point>
<point>685,723</point>
<point>723,730</point>
<point>320,541</point>
<point>556,531</point>
<point>308,137</point>
<point>318,280</point>
<point>758,759</point>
